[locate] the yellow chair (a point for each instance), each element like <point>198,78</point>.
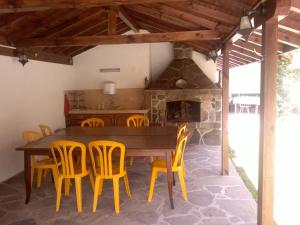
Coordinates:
<point>63,153</point>
<point>182,128</point>
<point>137,121</point>
<point>161,166</point>
<point>102,154</point>
<point>46,130</point>
<point>93,122</point>
<point>41,165</point>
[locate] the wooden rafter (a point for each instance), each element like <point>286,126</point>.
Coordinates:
<point>38,55</point>
<point>39,5</point>
<point>112,20</point>
<point>120,39</point>
<point>127,19</point>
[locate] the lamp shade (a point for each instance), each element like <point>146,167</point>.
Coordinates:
<point>245,23</point>
<point>109,88</point>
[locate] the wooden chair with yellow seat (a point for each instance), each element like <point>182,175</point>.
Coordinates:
<point>63,152</point>
<point>137,121</point>
<point>92,122</point>
<point>161,166</point>
<point>41,165</point>
<point>102,154</point>
<point>46,130</point>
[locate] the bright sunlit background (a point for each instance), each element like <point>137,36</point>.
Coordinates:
<point>244,139</point>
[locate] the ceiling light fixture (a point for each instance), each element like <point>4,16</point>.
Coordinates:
<point>213,54</point>
<point>246,26</point>
<point>23,59</point>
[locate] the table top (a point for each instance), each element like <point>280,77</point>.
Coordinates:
<point>145,138</point>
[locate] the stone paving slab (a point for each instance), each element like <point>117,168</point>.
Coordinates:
<point>212,199</point>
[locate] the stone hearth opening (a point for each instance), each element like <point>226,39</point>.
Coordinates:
<point>183,111</point>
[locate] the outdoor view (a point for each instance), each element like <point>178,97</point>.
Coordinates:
<point>244,132</point>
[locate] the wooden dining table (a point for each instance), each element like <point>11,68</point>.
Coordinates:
<point>144,141</point>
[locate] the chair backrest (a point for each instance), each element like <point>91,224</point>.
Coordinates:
<point>30,136</point>
<point>181,130</point>
<point>102,154</point>
<point>46,130</point>
<point>65,152</point>
<point>93,122</point>
<point>181,143</point>
<point>138,121</point>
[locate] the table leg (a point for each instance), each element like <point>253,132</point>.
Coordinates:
<point>27,175</point>
<point>170,177</point>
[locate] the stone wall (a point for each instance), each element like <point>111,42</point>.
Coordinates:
<point>208,130</point>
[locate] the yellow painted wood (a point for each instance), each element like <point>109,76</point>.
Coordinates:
<point>46,130</point>
<point>138,121</point>
<point>93,122</point>
<point>64,152</point>
<point>42,165</point>
<point>102,154</point>
<point>177,166</point>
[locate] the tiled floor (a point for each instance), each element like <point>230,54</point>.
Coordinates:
<point>213,199</point>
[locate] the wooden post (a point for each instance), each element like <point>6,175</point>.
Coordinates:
<point>267,122</point>
<point>225,106</point>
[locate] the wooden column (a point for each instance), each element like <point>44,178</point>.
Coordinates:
<point>225,106</point>
<point>267,122</point>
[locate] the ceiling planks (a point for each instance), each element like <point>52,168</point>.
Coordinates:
<point>119,39</point>
<point>41,5</point>
<point>88,22</point>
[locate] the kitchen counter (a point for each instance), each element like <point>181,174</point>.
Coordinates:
<point>114,117</point>
<point>111,111</point>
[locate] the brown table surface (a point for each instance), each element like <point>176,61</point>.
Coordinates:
<point>146,141</point>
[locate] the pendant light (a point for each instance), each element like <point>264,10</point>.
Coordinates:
<point>23,59</point>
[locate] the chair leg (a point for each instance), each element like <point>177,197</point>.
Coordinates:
<point>55,176</point>
<point>78,193</point>
<point>91,175</point>
<point>116,194</point>
<point>67,186</point>
<point>131,160</point>
<point>96,193</point>
<point>127,187</point>
<point>182,184</point>
<point>39,177</point>
<point>58,193</point>
<point>100,187</point>
<point>152,184</point>
<point>183,168</point>
<point>32,175</point>
<point>45,173</point>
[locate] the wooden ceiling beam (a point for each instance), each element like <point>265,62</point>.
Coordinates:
<point>286,37</point>
<point>247,53</point>
<point>39,5</point>
<point>181,13</point>
<point>88,30</point>
<point>207,11</point>
<point>242,56</point>
<point>38,55</point>
<point>120,39</point>
<point>69,24</point>
<point>157,15</point>
<point>127,19</point>
<point>112,21</point>
<point>79,50</point>
<point>248,46</point>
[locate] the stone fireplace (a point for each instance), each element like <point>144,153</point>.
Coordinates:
<point>183,111</point>
<point>196,101</point>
